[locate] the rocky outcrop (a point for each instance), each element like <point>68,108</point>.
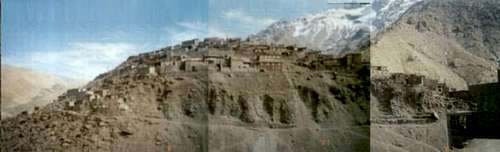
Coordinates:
<point>408,113</point>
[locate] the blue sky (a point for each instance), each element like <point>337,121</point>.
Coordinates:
<point>83,38</point>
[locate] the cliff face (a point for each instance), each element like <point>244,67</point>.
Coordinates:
<point>215,95</point>
<point>455,41</point>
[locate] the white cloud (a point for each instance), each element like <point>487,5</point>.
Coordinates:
<point>233,23</point>
<point>243,18</point>
<point>193,26</point>
<point>82,60</point>
<point>191,30</point>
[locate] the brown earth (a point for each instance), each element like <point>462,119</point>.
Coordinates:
<point>454,41</point>
<point>22,89</point>
<point>176,107</point>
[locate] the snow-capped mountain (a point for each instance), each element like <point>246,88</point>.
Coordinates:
<point>337,30</point>
<point>386,12</point>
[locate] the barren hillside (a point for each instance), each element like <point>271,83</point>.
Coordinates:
<point>214,95</point>
<point>454,41</point>
<point>23,89</point>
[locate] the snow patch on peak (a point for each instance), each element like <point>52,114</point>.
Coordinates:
<point>388,11</point>
<point>332,19</point>
<point>337,30</point>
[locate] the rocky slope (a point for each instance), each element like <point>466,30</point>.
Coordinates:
<point>337,30</point>
<point>408,113</point>
<point>455,41</point>
<point>23,89</point>
<point>212,96</point>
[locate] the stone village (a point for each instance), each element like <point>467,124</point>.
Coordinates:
<point>233,82</point>
<point>234,55</point>
<point>217,55</point>
<point>469,114</point>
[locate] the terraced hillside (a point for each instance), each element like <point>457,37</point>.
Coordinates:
<point>211,95</point>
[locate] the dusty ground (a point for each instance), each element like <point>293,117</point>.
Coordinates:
<point>481,145</point>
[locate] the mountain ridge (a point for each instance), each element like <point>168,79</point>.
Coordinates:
<point>440,40</point>
<point>23,89</point>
